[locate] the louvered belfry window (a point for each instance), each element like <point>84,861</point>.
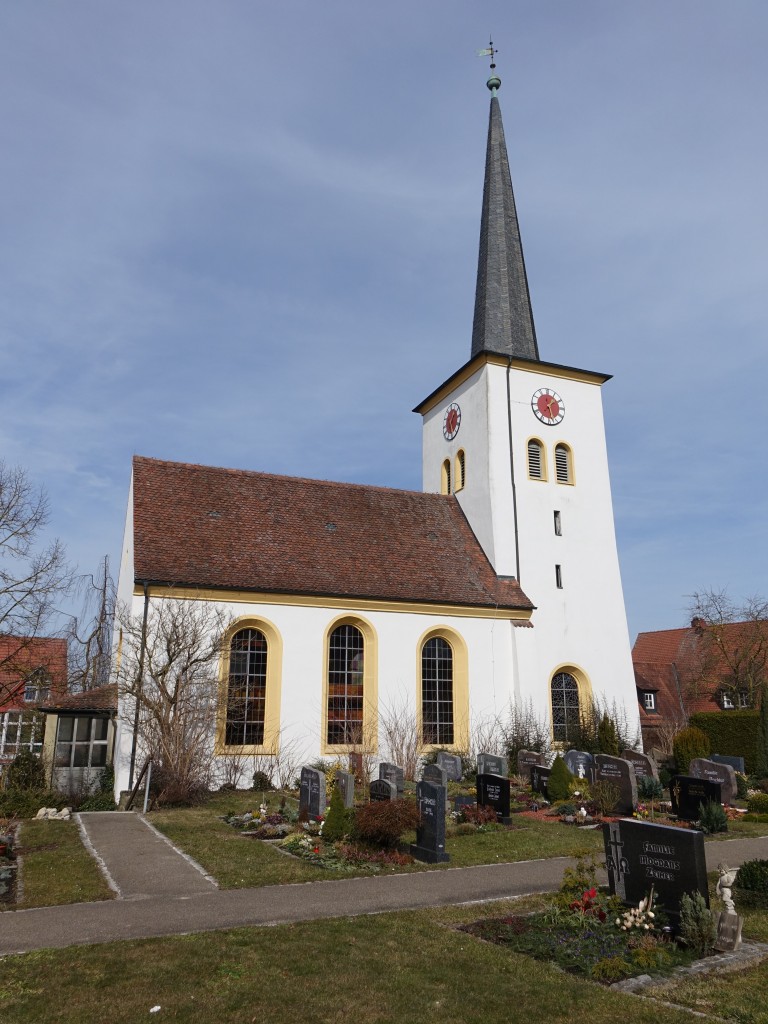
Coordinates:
<point>346,657</point>
<point>565,707</point>
<point>437,691</point>
<point>563,463</point>
<point>460,470</point>
<point>247,690</point>
<point>535,460</point>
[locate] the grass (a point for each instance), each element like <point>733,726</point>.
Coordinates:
<point>56,867</point>
<point>382,969</point>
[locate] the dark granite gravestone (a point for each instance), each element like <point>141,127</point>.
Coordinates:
<point>580,764</point>
<point>463,801</point>
<point>493,791</point>
<point>644,766</point>
<point>492,764</point>
<point>382,789</point>
<point>539,778</point>
<point>737,763</point>
<point>345,781</point>
<point>394,774</point>
<point>430,833</point>
<point>688,794</point>
<point>525,758</point>
<point>619,773</point>
<point>311,793</point>
<point>639,854</point>
<point>433,773</point>
<point>703,768</point>
<point>451,765</point>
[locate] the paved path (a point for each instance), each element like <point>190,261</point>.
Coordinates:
<point>196,906</point>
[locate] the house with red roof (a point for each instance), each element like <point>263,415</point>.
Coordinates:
<point>32,669</point>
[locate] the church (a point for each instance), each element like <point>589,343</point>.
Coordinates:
<point>498,585</point>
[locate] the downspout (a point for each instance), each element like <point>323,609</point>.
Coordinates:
<point>512,472</point>
<point>140,682</point>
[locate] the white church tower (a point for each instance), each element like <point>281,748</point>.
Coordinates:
<point>521,444</point>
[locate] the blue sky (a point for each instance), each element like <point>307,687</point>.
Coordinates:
<point>244,233</point>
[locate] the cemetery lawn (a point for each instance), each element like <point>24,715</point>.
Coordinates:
<point>56,867</point>
<point>380,969</point>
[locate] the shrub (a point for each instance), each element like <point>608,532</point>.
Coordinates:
<point>607,736</point>
<point>337,820</point>
<point>605,796</point>
<point>742,786</point>
<point>649,788</point>
<point>730,732</point>
<point>383,822</point>
<point>751,885</point>
<point>688,744</point>
<point>558,783</point>
<point>610,969</point>
<point>25,803</point>
<point>758,803</point>
<point>262,782</point>
<point>478,815</point>
<point>26,771</point>
<point>712,817</point>
<point>697,926</point>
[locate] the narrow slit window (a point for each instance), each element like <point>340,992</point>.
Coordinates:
<point>559,577</point>
<point>460,470</point>
<point>558,525</point>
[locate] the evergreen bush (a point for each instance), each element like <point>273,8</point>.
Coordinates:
<point>758,803</point>
<point>742,786</point>
<point>26,771</point>
<point>751,884</point>
<point>697,926</point>
<point>730,732</point>
<point>559,781</point>
<point>607,736</point>
<point>649,788</point>
<point>689,743</point>
<point>712,817</point>
<point>338,819</point>
<point>761,744</point>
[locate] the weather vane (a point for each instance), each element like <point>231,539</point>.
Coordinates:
<point>489,52</point>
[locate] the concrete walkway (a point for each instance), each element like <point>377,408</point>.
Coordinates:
<point>146,909</point>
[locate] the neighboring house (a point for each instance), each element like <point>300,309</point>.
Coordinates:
<point>349,600</point>
<point>79,738</point>
<point>699,668</point>
<point>32,669</point>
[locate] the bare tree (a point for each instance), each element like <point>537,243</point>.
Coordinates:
<point>33,576</point>
<point>90,634</point>
<point>400,735</point>
<point>169,668</point>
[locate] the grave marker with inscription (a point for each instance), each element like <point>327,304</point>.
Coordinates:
<point>430,833</point>
<point>493,791</point>
<point>433,773</point>
<point>395,774</point>
<point>382,789</point>
<point>492,764</point>
<point>345,781</point>
<point>688,794</point>
<point>580,764</point>
<point>451,765</point>
<point>621,774</point>
<point>737,763</point>
<point>311,793</point>
<point>703,768</point>
<point>525,758</point>
<point>644,766</point>
<point>539,778</point>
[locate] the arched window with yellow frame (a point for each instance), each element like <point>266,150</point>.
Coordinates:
<point>563,463</point>
<point>350,688</point>
<point>443,689</point>
<point>570,696</point>
<point>460,476</point>
<point>537,459</point>
<point>251,672</point>
<point>445,477</point>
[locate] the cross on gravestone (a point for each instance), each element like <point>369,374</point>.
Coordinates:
<point>580,764</point>
<point>525,758</point>
<point>433,773</point>
<point>311,793</point>
<point>539,778</point>
<point>619,773</point>
<point>430,832</point>
<point>493,791</point>
<point>714,771</point>
<point>451,764</point>
<point>395,774</point>
<point>382,789</point>
<point>688,794</point>
<point>640,854</point>
<point>492,764</point>
<point>345,781</point>
<point>644,766</point>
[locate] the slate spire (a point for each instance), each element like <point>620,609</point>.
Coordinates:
<point>503,317</point>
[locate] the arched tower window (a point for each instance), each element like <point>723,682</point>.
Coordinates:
<point>445,478</point>
<point>346,661</point>
<point>246,688</point>
<point>437,692</point>
<point>460,470</point>
<point>565,707</point>
<point>563,464</point>
<point>537,464</point>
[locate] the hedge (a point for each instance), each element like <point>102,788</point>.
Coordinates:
<point>730,732</point>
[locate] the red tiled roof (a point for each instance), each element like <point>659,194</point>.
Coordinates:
<point>101,698</point>
<point>21,656</point>
<point>230,529</point>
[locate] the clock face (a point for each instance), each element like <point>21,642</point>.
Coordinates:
<point>548,406</point>
<point>451,421</point>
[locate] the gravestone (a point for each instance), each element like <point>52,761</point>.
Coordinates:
<point>394,774</point>
<point>463,801</point>
<point>580,764</point>
<point>345,781</point>
<point>311,793</point>
<point>492,764</point>
<point>451,765</point>
<point>433,773</point>
<point>525,758</point>
<point>737,763</point>
<point>539,778</point>
<point>688,794</point>
<point>619,773</point>
<point>430,833</point>
<point>728,931</point>
<point>493,791</point>
<point>644,766</point>
<point>639,854</point>
<point>382,789</point>
<point>703,768</point>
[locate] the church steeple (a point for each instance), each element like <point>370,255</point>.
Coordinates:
<point>503,317</point>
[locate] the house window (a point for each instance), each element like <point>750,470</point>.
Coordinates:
<point>445,478</point>
<point>563,464</point>
<point>346,660</point>
<point>558,525</point>
<point>37,692</point>
<point>726,701</point>
<point>437,692</point>
<point>559,577</point>
<point>82,742</point>
<point>649,700</point>
<point>20,731</point>
<point>537,469</point>
<point>565,707</point>
<point>744,701</point>
<point>247,688</point>
<point>460,469</point>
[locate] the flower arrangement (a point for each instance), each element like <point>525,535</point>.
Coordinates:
<point>641,918</point>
